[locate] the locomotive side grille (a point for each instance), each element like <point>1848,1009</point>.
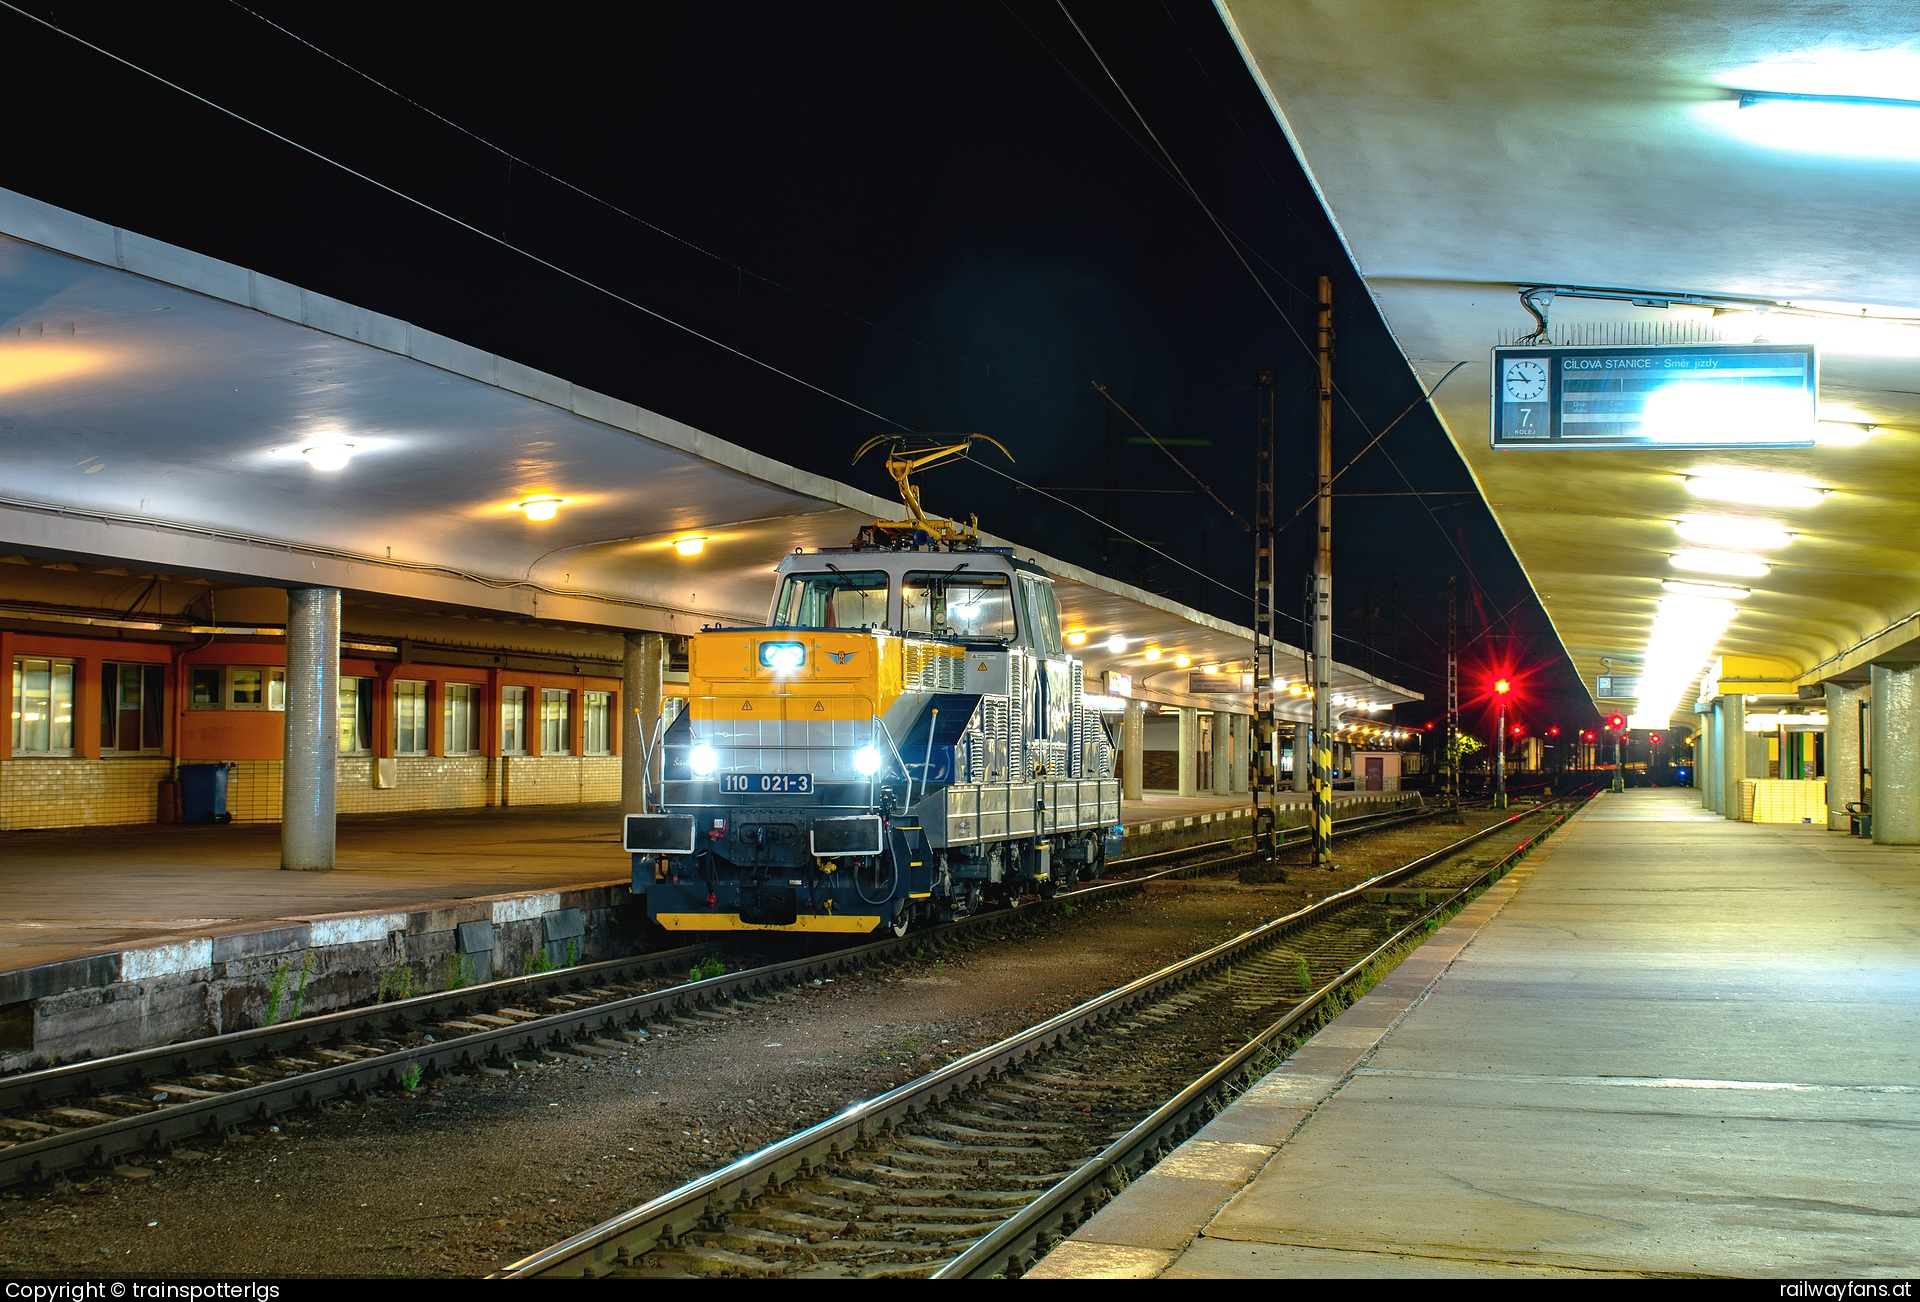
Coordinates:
<point>1017,717</point>
<point>1080,752</point>
<point>934,667</point>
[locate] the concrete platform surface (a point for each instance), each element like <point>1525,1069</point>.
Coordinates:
<point>87,890</point>
<point>1666,1044</point>
<point>80,891</point>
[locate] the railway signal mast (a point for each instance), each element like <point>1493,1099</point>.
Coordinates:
<point>1265,644</point>
<point>1322,792</point>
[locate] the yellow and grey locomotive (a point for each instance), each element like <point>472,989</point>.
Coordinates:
<point>904,739</point>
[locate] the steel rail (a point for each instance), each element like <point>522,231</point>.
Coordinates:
<point>92,1076</point>
<point>1029,1233</point>
<point>616,1241</point>
<point>199,1117</point>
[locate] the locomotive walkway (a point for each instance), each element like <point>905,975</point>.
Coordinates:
<point>1668,1044</point>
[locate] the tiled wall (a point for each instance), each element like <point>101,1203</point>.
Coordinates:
<point>60,792</point>
<point>560,779</point>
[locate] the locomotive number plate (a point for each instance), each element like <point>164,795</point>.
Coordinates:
<point>767,784</point>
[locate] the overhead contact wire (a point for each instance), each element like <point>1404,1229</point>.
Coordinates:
<point>468,226</point>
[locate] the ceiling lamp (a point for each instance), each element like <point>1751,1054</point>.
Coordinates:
<point>1695,588</point>
<point>1732,531</point>
<point>1182,661</point>
<point>541,508</point>
<point>328,456</point>
<point>1213,669</point>
<point>1077,637</point>
<point>1842,433</point>
<point>1753,487</point>
<point>1685,631</point>
<point>1848,126</point>
<point>692,545</point>
<point>1152,653</point>
<point>1116,644</point>
<point>1739,565</point>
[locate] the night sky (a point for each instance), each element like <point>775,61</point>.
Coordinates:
<point>946,215</point>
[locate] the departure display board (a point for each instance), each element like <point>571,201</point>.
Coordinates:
<point>1671,396</point>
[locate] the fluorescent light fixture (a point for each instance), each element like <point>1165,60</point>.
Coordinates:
<point>1768,722</point>
<point>1104,704</point>
<point>1739,565</point>
<point>1116,644</point>
<point>1694,588</point>
<point>541,508</point>
<point>691,545</point>
<point>1732,531</point>
<point>1844,126</point>
<point>1685,630</point>
<point>1753,487</point>
<point>328,456</point>
<point>1842,433</point>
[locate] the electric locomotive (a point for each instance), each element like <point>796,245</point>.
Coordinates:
<point>905,739</point>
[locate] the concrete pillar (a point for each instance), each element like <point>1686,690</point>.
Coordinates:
<point>1843,751</point>
<point>1712,772</point>
<point>1704,755</point>
<point>643,669</point>
<point>1189,746</point>
<point>1894,716</point>
<point>1133,727</point>
<point>1733,752</point>
<point>307,796</point>
<point>1242,750</point>
<point>1302,757</point>
<point>1223,751</point>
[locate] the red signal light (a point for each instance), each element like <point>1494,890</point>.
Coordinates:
<point>1518,730</point>
<point>1502,687</point>
<point>1554,731</point>
<point>1655,739</point>
<point>1616,723</point>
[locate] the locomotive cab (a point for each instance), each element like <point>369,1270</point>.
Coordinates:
<point>903,739</point>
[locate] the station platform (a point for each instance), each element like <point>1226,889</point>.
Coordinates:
<point>119,937</point>
<point>1666,1044</point>
<point>79,891</point>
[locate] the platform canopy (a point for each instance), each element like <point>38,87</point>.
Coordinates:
<point>163,409</point>
<point>1661,173</point>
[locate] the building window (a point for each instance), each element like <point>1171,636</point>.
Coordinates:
<point>596,721</point>
<point>513,721</point>
<point>356,715</point>
<point>237,687</point>
<point>462,719</point>
<point>409,717</point>
<point>42,706</point>
<point>556,721</point>
<point>132,708</point>
<point>207,687</point>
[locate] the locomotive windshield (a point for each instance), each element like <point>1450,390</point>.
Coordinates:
<point>954,604</point>
<point>833,599</point>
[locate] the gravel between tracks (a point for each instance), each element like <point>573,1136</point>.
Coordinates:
<point>474,1172</point>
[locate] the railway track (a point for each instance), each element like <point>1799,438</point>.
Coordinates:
<point>96,1113</point>
<point>972,1170</point>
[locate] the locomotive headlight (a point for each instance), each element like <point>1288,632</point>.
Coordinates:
<point>703,760</point>
<point>867,761</point>
<point>782,657</point>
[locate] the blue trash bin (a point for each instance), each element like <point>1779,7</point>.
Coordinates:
<point>203,793</point>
